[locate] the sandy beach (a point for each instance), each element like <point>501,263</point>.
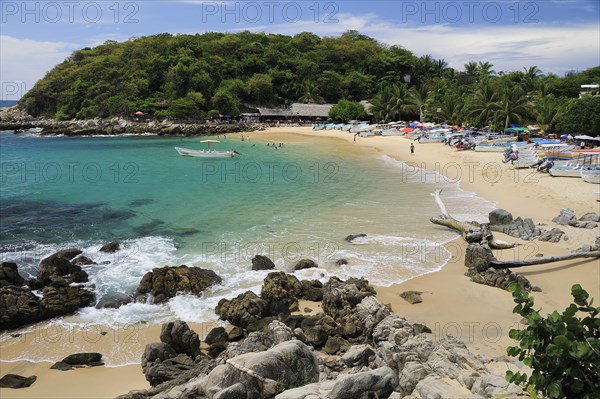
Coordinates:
<point>452,305</point>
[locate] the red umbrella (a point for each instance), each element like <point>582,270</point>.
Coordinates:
<point>407,130</point>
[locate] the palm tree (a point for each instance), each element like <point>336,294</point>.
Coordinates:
<point>471,70</point>
<point>484,102</point>
<point>399,97</point>
<point>512,105</point>
<point>418,98</point>
<point>485,70</point>
<point>531,77</point>
<point>440,67</point>
<point>451,107</point>
<point>546,111</point>
<point>381,104</point>
<point>310,93</point>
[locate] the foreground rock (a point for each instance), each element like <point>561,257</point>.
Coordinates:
<point>79,360</point>
<point>15,381</point>
<point>166,282</point>
<point>370,353</point>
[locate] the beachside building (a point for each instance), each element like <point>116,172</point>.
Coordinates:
<point>297,112</point>
<point>589,90</point>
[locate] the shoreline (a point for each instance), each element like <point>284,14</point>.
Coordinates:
<point>479,315</point>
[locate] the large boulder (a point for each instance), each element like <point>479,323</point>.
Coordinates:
<point>58,268</point>
<point>478,257</point>
<point>243,310</point>
<point>590,217</point>
<point>166,282</point>
<point>281,292</point>
<point>553,235</point>
<point>9,275</point>
<point>378,383</point>
<point>181,338</point>
<point>524,229</point>
<point>287,365</point>
<point>60,300</point>
<point>261,262</point>
<point>110,248</point>
<point>500,216</point>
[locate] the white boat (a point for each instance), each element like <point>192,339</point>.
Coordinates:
<point>568,170</point>
<point>591,176</point>
<point>524,162</point>
<point>208,153</point>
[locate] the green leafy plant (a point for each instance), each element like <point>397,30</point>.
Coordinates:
<point>563,350</point>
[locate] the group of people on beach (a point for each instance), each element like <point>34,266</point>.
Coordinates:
<point>274,145</point>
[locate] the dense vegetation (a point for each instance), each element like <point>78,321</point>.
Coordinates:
<point>193,76</point>
<point>563,350</point>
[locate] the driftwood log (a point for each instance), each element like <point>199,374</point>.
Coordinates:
<point>472,232</point>
<point>497,264</point>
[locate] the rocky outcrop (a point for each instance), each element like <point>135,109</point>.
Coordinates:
<point>166,282</point>
<point>181,338</point>
<point>502,221</point>
<point>477,260</point>
<point>78,360</point>
<point>18,120</point>
<point>382,354</point>
<point>20,306</point>
<point>243,310</point>
<point>58,268</point>
<point>261,262</point>
<point>590,217</point>
<point>15,381</point>
<point>281,292</point>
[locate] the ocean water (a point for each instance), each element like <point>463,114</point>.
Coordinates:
<point>297,201</point>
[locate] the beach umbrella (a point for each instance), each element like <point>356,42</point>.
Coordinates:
<point>413,124</point>
<point>407,130</point>
<point>139,113</point>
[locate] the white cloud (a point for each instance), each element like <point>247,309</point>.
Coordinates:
<point>24,61</point>
<point>553,48</point>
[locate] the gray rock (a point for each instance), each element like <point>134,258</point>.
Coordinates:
<point>181,338</point>
<point>312,290</point>
<point>478,257</point>
<point>524,229</point>
<point>553,235</point>
<point>358,355</point>
<point>166,282</point>
<point>412,297</point>
<point>154,351</point>
<point>443,388</point>
<point>411,374</point>
<point>369,312</point>
<point>500,216</point>
<point>57,268</point>
<point>588,225</point>
<point>261,262</point>
<point>281,292</point>
<point>216,335</point>
<point>110,247</point>
<point>279,332</point>
<point>379,383</point>
<point>335,344</point>
<point>315,336</point>
<point>287,365</point>
<point>590,217</point>
<point>15,381</point>
<point>566,217</point>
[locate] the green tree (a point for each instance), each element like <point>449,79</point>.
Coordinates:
<point>310,93</point>
<point>418,98</point>
<point>346,110</point>
<point>562,349</point>
<point>581,116</point>
<point>484,103</point>
<point>512,105</point>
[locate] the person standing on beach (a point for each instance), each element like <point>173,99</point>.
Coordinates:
<point>412,149</point>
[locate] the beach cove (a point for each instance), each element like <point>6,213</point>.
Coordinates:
<point>452,305</point>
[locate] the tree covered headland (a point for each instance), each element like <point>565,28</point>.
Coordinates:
<point>194,76</point>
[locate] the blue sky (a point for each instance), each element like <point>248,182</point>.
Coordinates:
<point>555,35</point>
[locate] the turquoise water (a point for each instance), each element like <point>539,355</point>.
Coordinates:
<point>297,201</point>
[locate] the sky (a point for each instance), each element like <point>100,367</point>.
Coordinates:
<point>556,35</point>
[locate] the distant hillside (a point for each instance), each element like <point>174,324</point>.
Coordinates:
<point>194,76</point>
<point>183,75</point>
